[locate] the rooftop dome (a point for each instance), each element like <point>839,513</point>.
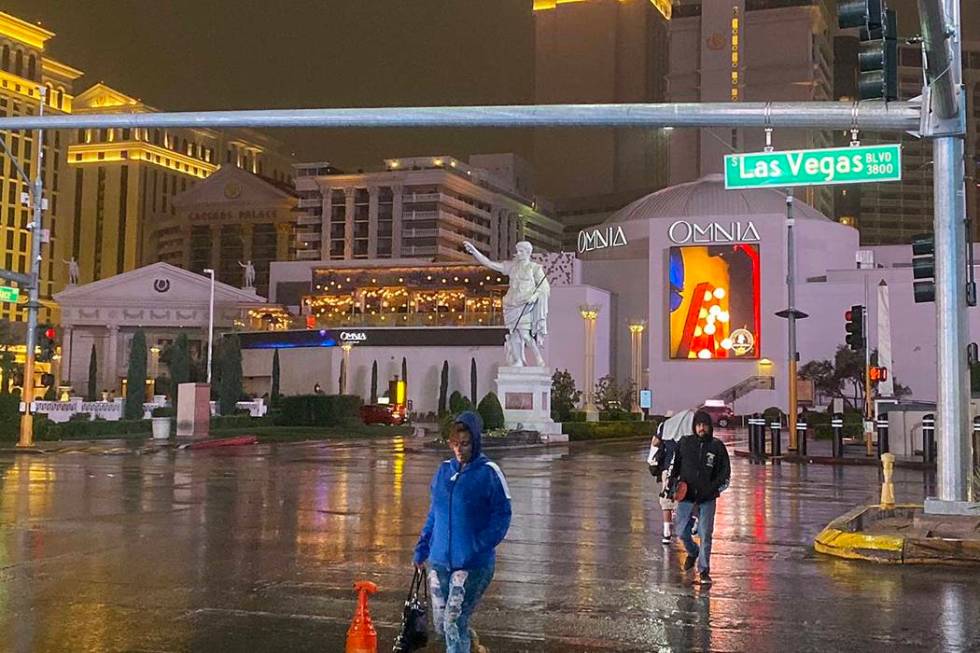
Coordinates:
<point>707,197</point>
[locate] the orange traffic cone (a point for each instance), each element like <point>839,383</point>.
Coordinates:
<point>361,636</point>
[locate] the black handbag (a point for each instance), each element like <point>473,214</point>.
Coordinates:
<point>414,633</point>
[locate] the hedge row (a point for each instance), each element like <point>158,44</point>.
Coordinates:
<point>599,430</point>
<point>319,410</point>
<point>607,416</point>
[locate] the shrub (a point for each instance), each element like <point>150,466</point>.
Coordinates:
<point>458,403</point>
<point>618,416</point>
<point>230,383</point>
<point>319,410</point>
<point>136,378</point>
<point>443,387</point>
<point>240,422</point>
<point>600,430</point>
<point>564,396</point>
<point>576,416</point>
<point>491,411</point>
<point>164,411</point>
<point>95,429</point>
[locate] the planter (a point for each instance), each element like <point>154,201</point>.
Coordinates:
<point>161,428</point>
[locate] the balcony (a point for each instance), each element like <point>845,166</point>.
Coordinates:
<point>307,219</point>
<point>310,202</point>
<point>308,254</point>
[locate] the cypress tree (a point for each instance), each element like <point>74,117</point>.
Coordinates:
<point>136,377</point>
<point>374,382</point>
<point>473,381</point>
<point>93,376</point>
<point>443,387</point>
<point>230,384</point>
<point>274,394</point>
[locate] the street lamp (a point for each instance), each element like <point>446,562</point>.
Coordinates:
<point>589,313</point>
<point>210,272</point>
<point>636,356</point>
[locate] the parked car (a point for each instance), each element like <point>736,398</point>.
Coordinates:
<point>382,414</point>
<point>721,414</point>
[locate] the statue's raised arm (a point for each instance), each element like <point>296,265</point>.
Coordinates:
<point>503,267</point>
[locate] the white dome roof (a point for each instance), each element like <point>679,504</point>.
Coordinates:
<point>707,197</point>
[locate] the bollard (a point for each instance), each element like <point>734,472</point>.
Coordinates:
<point>751,424</point>
<point>887,487</point>
<point>882,425</point>
<point>929,438</point>
<point>777,438</point>
<point>976,442</point>
<point>801,437</point>
<point>757,435</point>
<point>837,424</point>
<point>361,636</point>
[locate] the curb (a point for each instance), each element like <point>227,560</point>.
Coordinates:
<point>844,537</point>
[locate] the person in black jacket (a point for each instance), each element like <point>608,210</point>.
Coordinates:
<point>701,471</point>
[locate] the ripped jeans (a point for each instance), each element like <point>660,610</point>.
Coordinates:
<point>454,596</point>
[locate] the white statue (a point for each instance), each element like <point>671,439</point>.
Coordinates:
<point>249,273</point>
<point>525,304</point>
<point>73,271</point>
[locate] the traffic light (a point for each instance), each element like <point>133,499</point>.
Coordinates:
<point>878,49</point>
<point>878,374</point>
<point>923,268</point>
<point>47,337</point>
<point>855,327</point>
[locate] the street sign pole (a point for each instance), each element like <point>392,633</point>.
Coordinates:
<point>33,303</point>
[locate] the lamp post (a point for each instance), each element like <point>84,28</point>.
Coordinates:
<point>210,273</point>
<point>345,367</point>
<point>589,313</point>
<point>636,357</point>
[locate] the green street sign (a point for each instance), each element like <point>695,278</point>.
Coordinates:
<point>837,165</point>
<point>9,294</point>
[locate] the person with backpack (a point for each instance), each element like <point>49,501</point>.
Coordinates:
<point>659,459</point>
<point>700,473</point>
<point>469,515</point>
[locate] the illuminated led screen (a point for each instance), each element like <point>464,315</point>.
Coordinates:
<point>713,301</point>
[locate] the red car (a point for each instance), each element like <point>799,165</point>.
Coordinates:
<point>722,415</point>
<point>382,414</point>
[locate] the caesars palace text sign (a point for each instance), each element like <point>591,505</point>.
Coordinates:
<point>218,216</point>
<point>683,232</point>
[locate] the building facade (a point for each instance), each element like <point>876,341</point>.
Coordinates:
<point>226,221</point>
<point>25,67</point>
<point>420,208</point>
<point>600,51</point>
<point>126,180</point>
<point>726,51</point>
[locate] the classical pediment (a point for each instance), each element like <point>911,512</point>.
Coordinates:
<point>155,285</point>
<point>233,188</point>
<point>101,97</point>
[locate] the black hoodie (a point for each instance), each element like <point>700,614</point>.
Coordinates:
<point>701,462</point>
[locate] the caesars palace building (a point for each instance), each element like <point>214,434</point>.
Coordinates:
<point>697,271</point>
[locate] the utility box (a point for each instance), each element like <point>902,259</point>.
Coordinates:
<point>193,410</point>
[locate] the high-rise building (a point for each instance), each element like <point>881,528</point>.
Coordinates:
<point>599,51</point>
<point>892,213</point>
<point>752,51</point>
<point>125,180</point>
<point>24,67</point>
<point>420,207</point>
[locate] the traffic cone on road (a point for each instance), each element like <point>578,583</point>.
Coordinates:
<point>361,636</point>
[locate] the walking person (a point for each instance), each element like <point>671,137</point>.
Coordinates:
<point>659,459</point>
<point>469,514</point>
<point>700,473</point>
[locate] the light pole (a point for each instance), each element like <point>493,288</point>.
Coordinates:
<point>636,356</point>
<point>589,313</point>
<point>210,272</point>
<point>345,367</point>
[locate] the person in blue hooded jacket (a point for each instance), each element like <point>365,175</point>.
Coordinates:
<point>469,515</point>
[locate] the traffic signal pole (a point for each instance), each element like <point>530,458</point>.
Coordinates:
<point>941,36</point>
<point>33,303</point>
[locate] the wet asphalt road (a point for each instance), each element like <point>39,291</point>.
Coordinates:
<point>255,549</point>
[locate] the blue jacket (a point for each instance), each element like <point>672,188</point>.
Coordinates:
<point>469,513</point>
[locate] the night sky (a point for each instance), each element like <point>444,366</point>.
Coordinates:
<point>244,54</point>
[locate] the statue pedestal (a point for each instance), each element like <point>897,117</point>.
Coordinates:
<point>525,394</point>
<point>193,410</point>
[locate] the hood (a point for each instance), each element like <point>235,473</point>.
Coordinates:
<point>702,417</point>
<point>472,421</point>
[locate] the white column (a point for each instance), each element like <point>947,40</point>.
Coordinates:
<point>111,374</point>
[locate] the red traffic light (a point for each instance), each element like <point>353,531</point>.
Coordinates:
<point>50,333</point>
<point>848,315</point>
